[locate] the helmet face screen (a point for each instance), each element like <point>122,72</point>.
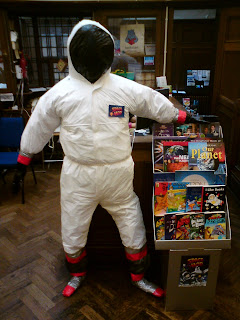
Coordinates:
<point>92,52</point>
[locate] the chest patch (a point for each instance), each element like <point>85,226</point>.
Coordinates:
<point>116,111</point>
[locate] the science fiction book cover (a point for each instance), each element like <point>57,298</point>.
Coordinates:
<point>182,226</point>
<point>194,271</point>
<point>215,225</point>
<point>170,226</point>
<point>197,223</point>
<point>175,155</point>
<point>213,198</point>
<point>194,198</point>
<point>159,227</point>
<point>176,197</point>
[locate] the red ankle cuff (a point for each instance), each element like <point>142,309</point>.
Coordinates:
<point>68,291</point>
<point>159,293</point>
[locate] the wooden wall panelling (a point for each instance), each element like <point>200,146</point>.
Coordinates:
<point>193,47</point>
<point>5,45</point>
<point>228,56</point>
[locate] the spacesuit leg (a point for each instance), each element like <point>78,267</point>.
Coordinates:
<point>128,218</point>
<point>78,203</point>
<point>77,266</point>
<point>138,261</point>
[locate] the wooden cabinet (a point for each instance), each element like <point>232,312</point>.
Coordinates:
<point>7,74</point>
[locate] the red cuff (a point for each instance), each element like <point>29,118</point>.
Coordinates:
<point>137,256</point>
<point>137,277</point>
<point>78,259</point>
<point>182,117</point>
<point>24,160</point>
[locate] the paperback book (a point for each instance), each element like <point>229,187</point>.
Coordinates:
<point>194,198</point>
<point>211,130</point>
<point>160,198</point>
<point>182,226</point>
<point>197,222</point>
<point>175,155</point>
<point>215,225</point>
<point>176,197</point>
<point>163,129</point>
<point>187,130</point>
<point>159,227</point>
<point>213,198</point>
<point>196,177</point>
<point>206,155</point>
<point>170,226</point>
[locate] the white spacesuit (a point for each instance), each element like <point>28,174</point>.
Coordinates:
<point>92,109</point>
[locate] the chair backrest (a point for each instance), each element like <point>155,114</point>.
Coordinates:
<point>11,130</point>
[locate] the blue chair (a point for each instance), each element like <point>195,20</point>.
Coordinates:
<point>11,130</point>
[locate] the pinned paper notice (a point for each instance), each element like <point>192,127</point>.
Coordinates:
<point>13,36</point>
<point>6,97</point>
<point>161,81</point>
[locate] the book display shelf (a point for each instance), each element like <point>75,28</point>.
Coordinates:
<point>190,210</point>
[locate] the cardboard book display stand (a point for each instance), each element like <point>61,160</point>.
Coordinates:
<point>189,267</point>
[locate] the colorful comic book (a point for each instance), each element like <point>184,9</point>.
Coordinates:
<point>159,227</point>
<point>160,198</point>
<point>194,198</point>
<point>176,197</point>
<point>170,226</point>
<point>197,222</point>
<point>213,198</point>
<point>182,226</point>
<point>215,225</point>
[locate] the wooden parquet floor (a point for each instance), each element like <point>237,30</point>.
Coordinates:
<point>33,273</point>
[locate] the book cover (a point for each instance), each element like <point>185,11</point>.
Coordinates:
<point>206,155</point>
<point>158,150</point>
<point>182,226</point>
<point>211,130</point>
<point>158,155</point>
<point>215,225</point>
<point>164,176</point>
<point>213,198</point>
<point>190,129</point>
<point>160,198</point>
<point>176,197</point>
<point>196,177</point>
<point>175,155</point>
<point>194,271</point>
<point>194,198</point>
<point>163,129</point>
<point>159,227</point>
<point>197,223</point>
<point>170,226</point>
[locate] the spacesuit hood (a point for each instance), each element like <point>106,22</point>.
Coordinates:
<point>90,50</point>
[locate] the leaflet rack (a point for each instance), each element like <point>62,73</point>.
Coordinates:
<point>192,294</point>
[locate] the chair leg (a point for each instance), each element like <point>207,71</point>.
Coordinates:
<point>34,176</point>
<point>22,185</point>
<point>3,173</point>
